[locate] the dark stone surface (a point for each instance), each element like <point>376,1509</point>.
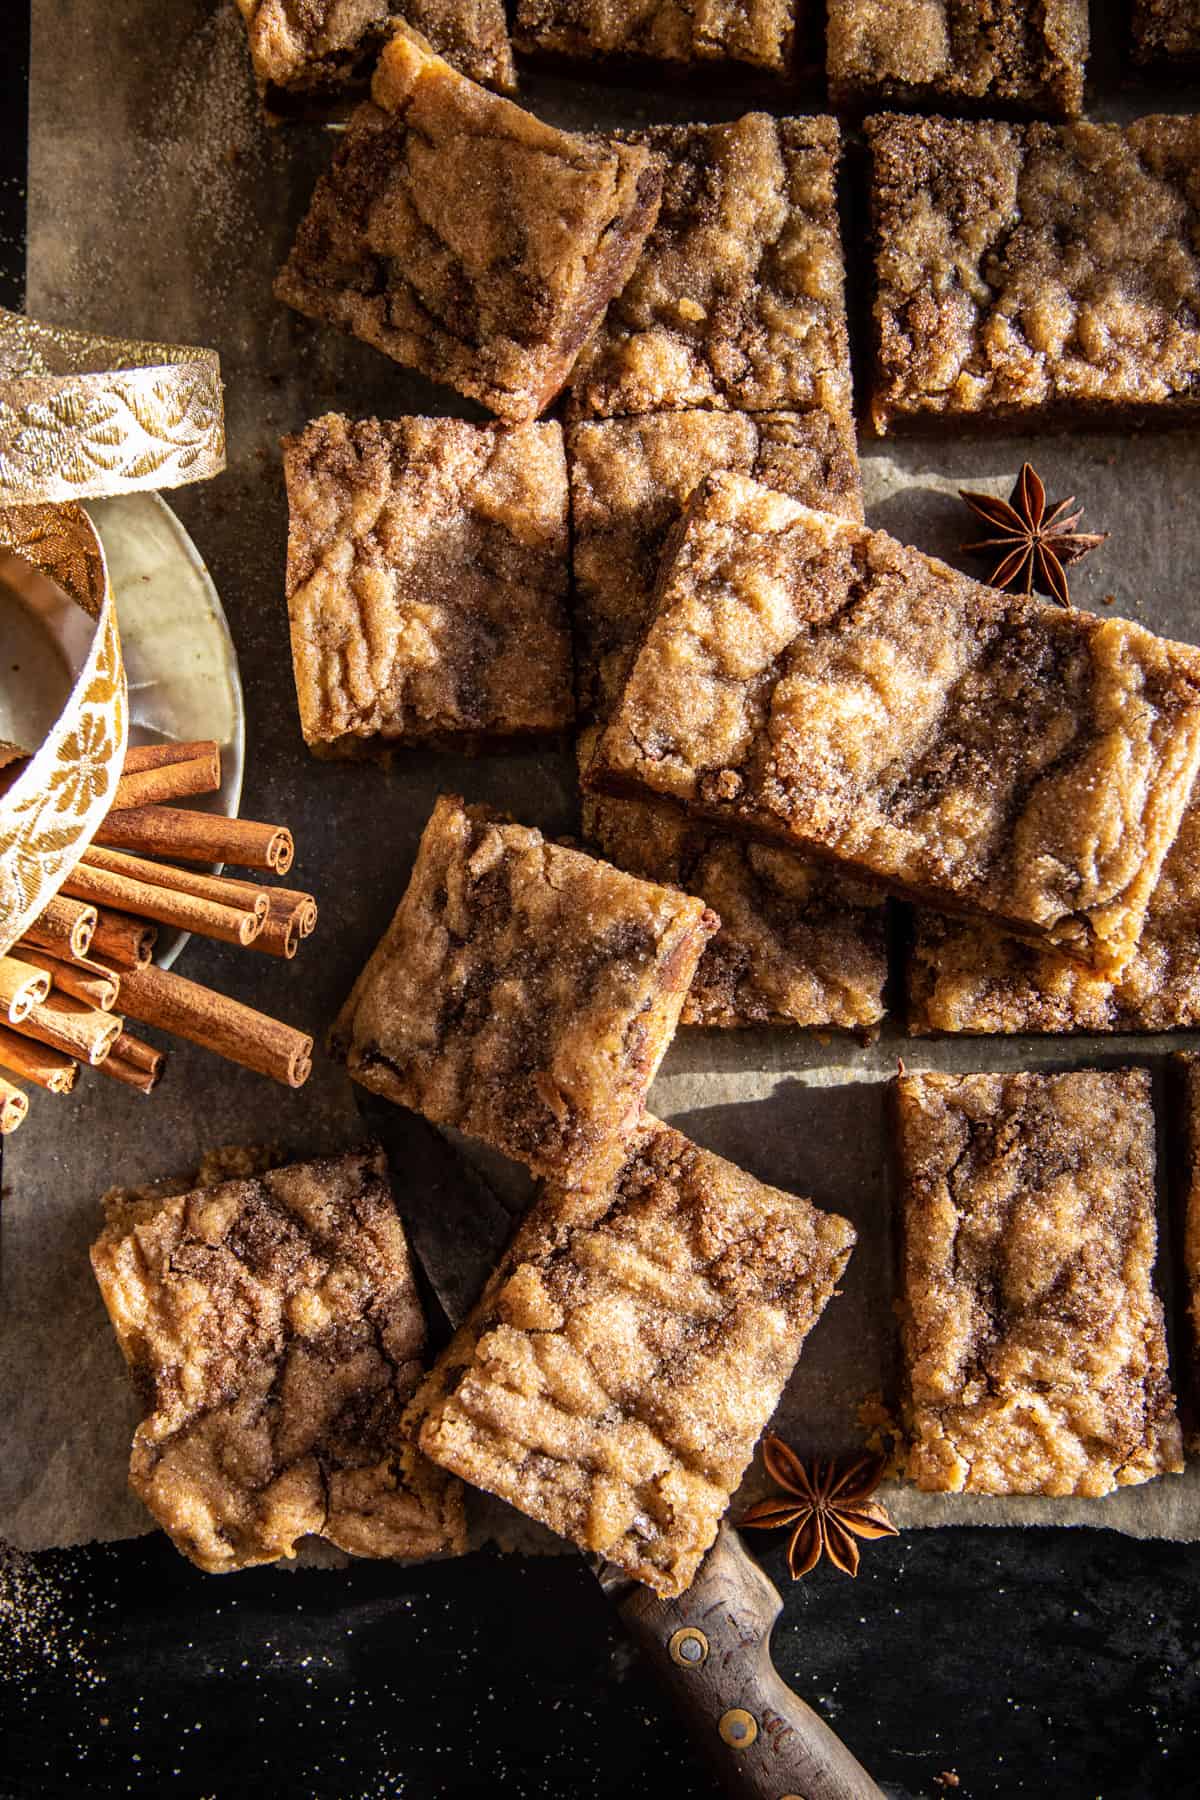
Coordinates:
<point>1033,1663</point>
<point>14,63</point>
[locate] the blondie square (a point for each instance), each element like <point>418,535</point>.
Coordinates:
<point>1027,55</point>
<point>1034,273</point>
<point>1167,32</point>
<point>523,992</point>
<point>967,977</point>
<point>813,683</point>
<point>463,237</point>
<point>627,1353</point>
<point>308,51</point>
<point>1034,1347</point>
<point>631,479</point>
<point>747,36</point>
<point>272,1326</point>
<point>797,945</point>
<point>738,300</point>
<point>427,582</point>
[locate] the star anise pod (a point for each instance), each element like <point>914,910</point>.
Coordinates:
<point>1035,546</point>
<point>826,1504</point>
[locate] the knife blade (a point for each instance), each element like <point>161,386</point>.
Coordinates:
<point>711,1646</point>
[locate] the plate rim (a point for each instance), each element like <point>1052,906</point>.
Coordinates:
<point>229,805</point>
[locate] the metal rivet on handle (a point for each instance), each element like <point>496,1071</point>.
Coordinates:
<point>688,1647</point>
<point>738,1728</point>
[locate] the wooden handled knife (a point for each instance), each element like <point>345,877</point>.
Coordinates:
<point>711,1646</point>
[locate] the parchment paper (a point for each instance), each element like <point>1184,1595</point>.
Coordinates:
<point>160,205</point>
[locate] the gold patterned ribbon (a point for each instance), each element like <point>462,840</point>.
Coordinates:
<point>56,802</point>
<point>82,415</point>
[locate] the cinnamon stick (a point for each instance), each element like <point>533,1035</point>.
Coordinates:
<point>280,935</point>
<point>243,896</point>
<point>64,928</point>
<point>82,980</point>
<point>291,916</point>
<point>124,942</point>
<point>218,1023</point>
<point>22,985</point>
<point>14,1104</point>
<point>30,952</point>
<point>199,837</point>
<point>187,912</point>
<point>140,757</point>
<point>126,1073</point>
<point>170,781</point>
<point>75,1029</point>
<point>135,1064</point>
<point>35,1062</point>
<point>304,905</point>
<point>142,1055</point>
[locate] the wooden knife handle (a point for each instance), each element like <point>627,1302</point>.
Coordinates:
<point>711,1647</point>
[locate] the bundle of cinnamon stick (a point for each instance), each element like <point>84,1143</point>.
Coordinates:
<point>85,966</point>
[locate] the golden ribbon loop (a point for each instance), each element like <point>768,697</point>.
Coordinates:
<point>84,415</point>
<point>56,802</point>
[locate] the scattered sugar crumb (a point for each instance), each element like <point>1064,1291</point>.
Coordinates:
<point>36,1632</point>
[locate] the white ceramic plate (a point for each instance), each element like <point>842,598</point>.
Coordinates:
<point>179,656</point>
